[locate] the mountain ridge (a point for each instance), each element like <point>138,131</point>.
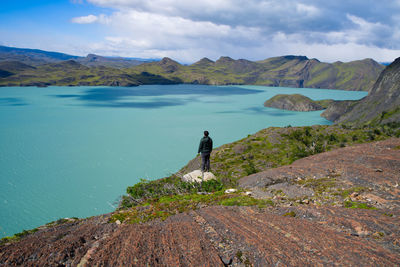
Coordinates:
<point>284,71</point>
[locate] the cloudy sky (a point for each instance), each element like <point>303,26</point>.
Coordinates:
<point>188,30</point>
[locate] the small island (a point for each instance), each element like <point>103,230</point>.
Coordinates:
<point>296,102</point>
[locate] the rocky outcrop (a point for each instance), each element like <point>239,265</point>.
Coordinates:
<point>381,105</point>
<point>198,176</point>
<point>338,108</point>
<point>295,102</point>
<point>291,233</point>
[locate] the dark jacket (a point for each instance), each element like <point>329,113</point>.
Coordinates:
<point>206,145</point>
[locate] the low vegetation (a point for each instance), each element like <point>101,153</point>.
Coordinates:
<point>358,205</point>
<point>17,236</point>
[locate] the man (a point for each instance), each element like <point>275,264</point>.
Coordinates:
<point>205,148</point>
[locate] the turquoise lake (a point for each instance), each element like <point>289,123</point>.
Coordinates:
<point>72,151</point>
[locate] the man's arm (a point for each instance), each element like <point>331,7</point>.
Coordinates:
<point>200,146</point>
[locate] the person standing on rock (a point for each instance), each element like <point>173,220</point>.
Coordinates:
<point>205,148</point>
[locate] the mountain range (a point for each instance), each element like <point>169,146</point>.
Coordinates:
<point>29,67</point>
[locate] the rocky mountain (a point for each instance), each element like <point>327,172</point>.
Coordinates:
<point>295,102</point>
<point>286,71</point>
<point>380,106</point>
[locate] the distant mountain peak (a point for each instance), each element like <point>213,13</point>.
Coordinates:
<point>167,61</point>
<point>168,65</point>
<point>204,61</point>
<point>224,59</point>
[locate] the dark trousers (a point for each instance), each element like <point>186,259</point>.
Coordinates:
<point>205,162</point>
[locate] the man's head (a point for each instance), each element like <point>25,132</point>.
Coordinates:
<point>205,133</point>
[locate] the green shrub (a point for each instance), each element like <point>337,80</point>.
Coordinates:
<point>250,168</point>
<point>165,187</point>
<point>211,186</point>
<point>332,138</point>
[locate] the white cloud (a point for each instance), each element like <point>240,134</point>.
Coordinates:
<point>91,19</point>
<point>307,9</point>
<point>253,29</point>
<point>85,19</point>
<point>343,52</point>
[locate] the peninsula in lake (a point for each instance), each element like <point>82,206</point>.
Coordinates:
<point>31,67</point>
<point>296,102</point>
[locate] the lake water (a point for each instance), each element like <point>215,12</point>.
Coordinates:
<point>72,151</point>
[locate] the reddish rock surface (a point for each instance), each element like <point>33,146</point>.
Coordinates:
<point>374,166</point>
<point>246,236</point>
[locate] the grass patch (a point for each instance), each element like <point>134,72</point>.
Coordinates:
<point>163,207</point>
<point>246,201</point>
<point>344,193</point>
<point>357,205</point>
<point>320,185</point>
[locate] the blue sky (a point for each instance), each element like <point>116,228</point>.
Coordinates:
<point>185,30</point>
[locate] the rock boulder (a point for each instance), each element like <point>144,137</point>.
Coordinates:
<point>198,176</point>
